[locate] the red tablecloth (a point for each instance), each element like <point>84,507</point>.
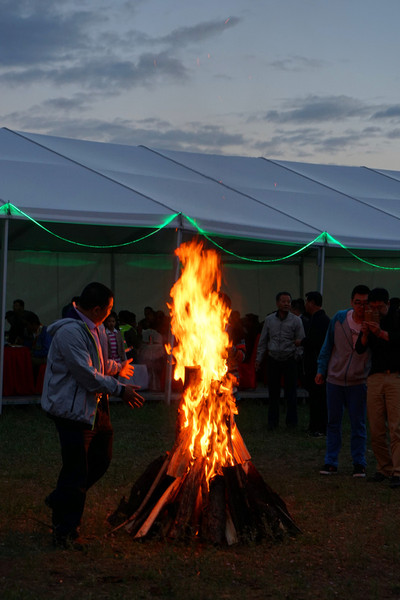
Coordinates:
<point>17,374</point>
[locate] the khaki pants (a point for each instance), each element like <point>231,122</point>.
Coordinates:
<point>383,407</point>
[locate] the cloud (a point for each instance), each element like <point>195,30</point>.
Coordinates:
<point>394,134</point>
<point>319,109</point>
<point>109,75</point>
<point>155,133</point>
<point>388,113</point>
<point>314,140</point>
<point>38,34</point>
<point>183,36</point>
<point>296,63</point>
<point>42,42</point>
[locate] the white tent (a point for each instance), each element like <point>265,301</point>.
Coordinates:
<point>67,202</point>
<point>64,180</point>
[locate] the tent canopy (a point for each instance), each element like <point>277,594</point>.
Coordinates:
<point>63,181</point>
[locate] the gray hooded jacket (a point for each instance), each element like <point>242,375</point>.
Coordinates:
<point>74,378</point>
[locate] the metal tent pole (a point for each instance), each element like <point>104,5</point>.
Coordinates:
<point>321,268</point>
<point>4,254</point>
<point>168,378</point>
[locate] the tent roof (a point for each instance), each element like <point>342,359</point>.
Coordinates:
<point>63,180</point>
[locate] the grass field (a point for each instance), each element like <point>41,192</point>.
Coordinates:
<point>349,548</point>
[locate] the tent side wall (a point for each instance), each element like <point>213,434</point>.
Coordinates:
<point>48,280</point>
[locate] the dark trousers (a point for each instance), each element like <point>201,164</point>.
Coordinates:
<point>318,407</point>
<point>86,454</point>
<point>276,369</point>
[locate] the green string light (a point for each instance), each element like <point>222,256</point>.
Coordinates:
<point>319,238</point>
<point>334,241</point>
<point>10,209</point>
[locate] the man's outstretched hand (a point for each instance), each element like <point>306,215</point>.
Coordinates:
<point>131,397</point>
<point>126,369</point>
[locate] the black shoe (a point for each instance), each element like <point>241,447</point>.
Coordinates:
<point>359,471</point>
<point>69,541</point>
<point>328,470</point>
<point>378,477</point>
<point>394,481</point>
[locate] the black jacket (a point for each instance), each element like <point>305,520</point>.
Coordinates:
<point>385,356</point>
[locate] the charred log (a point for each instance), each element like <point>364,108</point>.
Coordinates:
<point>187,519</point>
<point>214,511</point>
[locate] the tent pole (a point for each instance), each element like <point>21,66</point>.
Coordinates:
<point>321,268</point>
<point>168,379</point>
<point>3,267</point>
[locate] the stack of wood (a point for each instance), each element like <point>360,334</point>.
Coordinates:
<point>173,499</point>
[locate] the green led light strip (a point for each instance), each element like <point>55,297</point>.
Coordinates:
<point>324,237</point>
<point>319,238</point>
<point>334,241</point>
<point>11,209</point>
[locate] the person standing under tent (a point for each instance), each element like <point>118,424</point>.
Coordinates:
<point>346,373</point>
<point>281,335</point>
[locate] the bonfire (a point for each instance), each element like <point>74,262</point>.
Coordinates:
<point>206,486</point>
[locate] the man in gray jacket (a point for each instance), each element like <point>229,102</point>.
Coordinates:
<point>281,335</point>
<point>79,378</point>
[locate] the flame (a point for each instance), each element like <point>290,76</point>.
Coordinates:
<point>199,318</point>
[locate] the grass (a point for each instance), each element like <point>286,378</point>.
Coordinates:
<point>350,545</point>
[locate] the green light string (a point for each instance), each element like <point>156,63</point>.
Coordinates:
<point>319,238</point>
<point>11,209</point>
<point>334,241</point>
<point>323,237</point>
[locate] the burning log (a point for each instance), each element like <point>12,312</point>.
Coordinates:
<point>206,487</point>
<point>215,512</point>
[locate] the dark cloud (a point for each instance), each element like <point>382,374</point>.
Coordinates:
<point>57,44</point>
<point>34,33</point>
<point>68,104</point>
<point>394,134</point>
<point>319,109</point>
<point>389,112</point>
<point>107,75</point>
<point>311,141</point>
<point>156,133</point>
<point>296,63</point>
<point>183,36</point>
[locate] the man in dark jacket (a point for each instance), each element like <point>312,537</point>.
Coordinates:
<point>79,378</point>
<point>381,333</point>
<point>315,329</point>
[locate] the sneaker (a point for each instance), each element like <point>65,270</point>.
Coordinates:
<point>394,481</point>
<point>359,471</point>
<point>378,477</point>
<point>328,470</point>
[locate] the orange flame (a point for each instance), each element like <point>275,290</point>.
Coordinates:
<point>199,318</point>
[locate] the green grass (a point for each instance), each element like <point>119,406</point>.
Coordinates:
<point>349,548</point>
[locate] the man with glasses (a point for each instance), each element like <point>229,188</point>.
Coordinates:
<point>381,333</point>
<point>346,373</point>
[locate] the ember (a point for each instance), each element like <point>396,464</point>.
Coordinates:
<point>206,486</point>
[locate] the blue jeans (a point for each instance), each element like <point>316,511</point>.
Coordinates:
<point>354,397</point>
